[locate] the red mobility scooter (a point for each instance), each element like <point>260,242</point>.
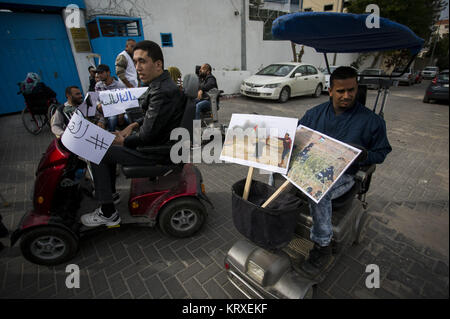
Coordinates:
<point>170,195</point>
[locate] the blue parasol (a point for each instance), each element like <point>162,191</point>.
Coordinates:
<point>330,32</point>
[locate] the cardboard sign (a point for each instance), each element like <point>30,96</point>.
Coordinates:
<point>115,102</point>
<point>85,139</point>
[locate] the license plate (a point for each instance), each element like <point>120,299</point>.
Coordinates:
<point>446,85</point>
<point>251,90</point>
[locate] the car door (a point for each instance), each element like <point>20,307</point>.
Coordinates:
<point>313,80</point>
<point>300,83</point>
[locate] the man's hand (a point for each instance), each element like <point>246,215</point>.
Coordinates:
<point>100,124</point>
<point>118,140</point>
<point>128,130</point>
<point>99,108</point>
<point>199,95</point>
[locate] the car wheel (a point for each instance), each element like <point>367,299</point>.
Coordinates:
<point>426,99</point>
<point>318,91</point>
<point>182,217</point>
<point>284,95</point>
<point>48,245</point>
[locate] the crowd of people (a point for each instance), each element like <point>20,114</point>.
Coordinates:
<point>142,64</point>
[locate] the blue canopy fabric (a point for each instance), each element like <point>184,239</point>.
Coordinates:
<point>330,32</point>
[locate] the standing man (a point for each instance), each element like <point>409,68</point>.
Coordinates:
<point>346,120</point>
<point>207,82</point>
<point>107,82</point>
<point>125,69</point>
<point>92,81</point>
<point>163,104</point>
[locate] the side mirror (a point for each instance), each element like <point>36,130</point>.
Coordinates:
<point>297,75</point>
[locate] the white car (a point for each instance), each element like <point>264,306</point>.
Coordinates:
<point>430,72</point>
<point>281,81</point>
<point>327,76</point>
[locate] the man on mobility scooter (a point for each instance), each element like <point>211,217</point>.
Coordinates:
<point>164,107</point>
<point>347,120</point>
<point>164,192</point>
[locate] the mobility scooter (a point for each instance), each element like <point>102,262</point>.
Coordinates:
<point>266,264</point>
<point>170,195</point>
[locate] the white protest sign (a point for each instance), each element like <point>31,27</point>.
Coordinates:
<point>86,139</point>
<point>117,101</point>
<point>89,104</point>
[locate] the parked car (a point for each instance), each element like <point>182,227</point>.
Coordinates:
<point>407,77</point>
<point>430,72</point>
<point>370,78</point>
<point>327,75</point>
<point>438,88</point>
<point>281,81</point>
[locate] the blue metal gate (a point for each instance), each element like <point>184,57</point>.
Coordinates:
<point>34,42</point>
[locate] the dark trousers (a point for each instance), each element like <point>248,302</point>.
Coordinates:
<point>104,173</point>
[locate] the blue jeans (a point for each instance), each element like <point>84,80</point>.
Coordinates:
<point>202,105</point>
<point>322,230</point>
<point>113,120</point>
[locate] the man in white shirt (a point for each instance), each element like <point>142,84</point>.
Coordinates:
<point>125,69</point>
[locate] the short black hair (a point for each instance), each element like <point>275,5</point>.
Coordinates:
<point>343,73</point>
<point>131,40</point>
<point>91,67</point>
<point>69,89</point>
<point>153,50</point>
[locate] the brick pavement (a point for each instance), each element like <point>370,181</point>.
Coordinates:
<point>406,235</point>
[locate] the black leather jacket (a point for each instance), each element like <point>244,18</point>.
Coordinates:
<point>163,104</point>
<point>207,83</point>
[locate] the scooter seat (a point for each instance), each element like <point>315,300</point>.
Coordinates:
<point>151,172</point>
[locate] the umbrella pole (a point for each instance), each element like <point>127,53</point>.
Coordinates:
<point>248,183</point>
<point>276,194</point>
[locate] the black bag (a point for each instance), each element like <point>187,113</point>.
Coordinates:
<point>271,227</point>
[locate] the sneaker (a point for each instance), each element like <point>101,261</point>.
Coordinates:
<point>96,218</point>
<point>116,198</point>
<point>320,258</point>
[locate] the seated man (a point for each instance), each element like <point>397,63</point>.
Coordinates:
<point>63,113</point>
<point>207,82</point>
<point>163,104</point>
<point>344,119</point>
<point>107,82</point>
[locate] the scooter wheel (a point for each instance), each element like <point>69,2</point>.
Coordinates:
<point>48,245</point>
<point>182,217</point>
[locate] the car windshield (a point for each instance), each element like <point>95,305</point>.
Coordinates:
<point>431,68</point>
<point>371,72</point>
<point>400,70</point>
<point>325,70</point>
<point>276,70</point>
<point>443,77</point>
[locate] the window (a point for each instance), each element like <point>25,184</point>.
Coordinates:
<point>277,1</point>
<point>93,29</point>
<point>295,2</point>
<point>328,7</point>
<point>166,40</point>
<point>301,69</point>
<point>311,70</point>
<point>307,9</point>
<point>120,28</point>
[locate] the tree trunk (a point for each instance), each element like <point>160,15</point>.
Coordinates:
<point>294,53</point>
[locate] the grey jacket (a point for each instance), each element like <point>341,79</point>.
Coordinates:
<point>163,104</point>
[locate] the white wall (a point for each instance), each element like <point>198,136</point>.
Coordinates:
<point>206,31</point>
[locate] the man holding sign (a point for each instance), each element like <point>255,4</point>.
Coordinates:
<point>163,104</point>
<point>346,120</point>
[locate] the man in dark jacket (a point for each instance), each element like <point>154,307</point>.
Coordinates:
<point>346,120</point>
<point>207,82</point>
<point>163,104</point>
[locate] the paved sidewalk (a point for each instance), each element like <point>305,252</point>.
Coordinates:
<point>407,235</point>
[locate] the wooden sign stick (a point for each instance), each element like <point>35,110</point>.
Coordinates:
<point>248,183</point>
<point>276,194</point>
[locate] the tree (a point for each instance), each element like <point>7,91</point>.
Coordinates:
<point>419,15</point>
<point>440,51</point>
